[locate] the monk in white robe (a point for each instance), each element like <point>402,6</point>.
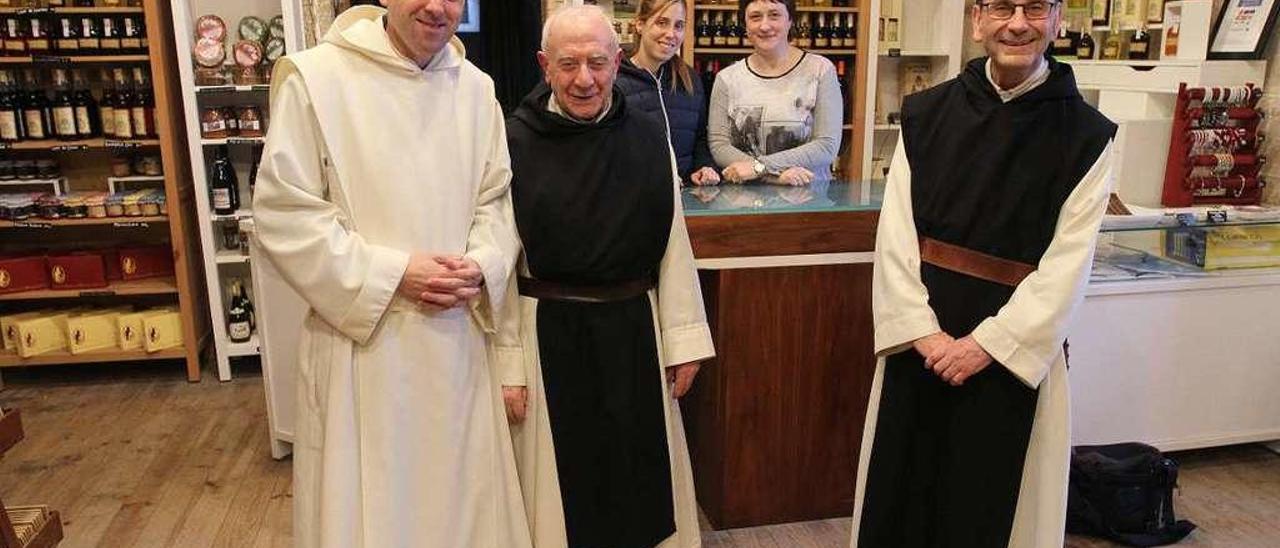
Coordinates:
<point>383,200</point>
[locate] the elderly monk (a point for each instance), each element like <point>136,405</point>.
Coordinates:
<point>610,327</point>
<point>986,236</point>
<point>383,198</point>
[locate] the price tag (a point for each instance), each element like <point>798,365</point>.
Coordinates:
<point>260,87</point>
<point>131,225</point>
<point>68,148</point>
<point>242,141</point>
<point>216,89</point>
<point>51,59</point>
<point>111,143</point>
<point>1216,215</point>
<point>35,11</point>
<point>895,52</point>
<point>27,224</point>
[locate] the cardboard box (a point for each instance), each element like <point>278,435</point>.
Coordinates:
<point>42,334</point>
<point>155,261</point>
<point>1224,247</point>
<point>92,331</point>
<point>129,328</point>
<point>9,327</point>
<point>78,270</point>
<point>163,330</point>
<point>23,273</point>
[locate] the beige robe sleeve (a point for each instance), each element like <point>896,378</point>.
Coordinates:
<point>346,280</point>
<point>1026,334</point>
<point>899,300</point>
<point>506,346</point>
<point>493,242</point>
<point>682,319</point>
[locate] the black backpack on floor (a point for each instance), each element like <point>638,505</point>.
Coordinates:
<point>1124,493</point>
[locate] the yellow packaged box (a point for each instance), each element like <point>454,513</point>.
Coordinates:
<point>129,328</point>
<point>1213,248</point>
<point>42,334</point>
<point>92,331</point>
<point>9,327</point>
<point>163,330</point>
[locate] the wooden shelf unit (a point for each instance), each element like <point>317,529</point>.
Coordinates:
<point>150,286</point>
<point>178,228</point>
<point>63,357</point>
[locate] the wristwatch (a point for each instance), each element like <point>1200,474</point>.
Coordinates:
<point>758,167</point>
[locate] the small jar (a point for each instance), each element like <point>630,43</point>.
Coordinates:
<point>210,76</point>
<point>23,208</point>
<point>233,123</point>
<point>150,165</point>
<point>96,204</point>
<point>115,205</point>
<point>249,121</point>
<point>120,167</point>
<point>136,166</point>
<point>49,207</point>
<point>151,205</point>
<point>132,207</point>
<point>24,169</point>
<point>213,125</point>
<point>47,169</point>
<point>231,236</point>
<point>6,170</point>
<point>163,204</point>
<point>76,207</point>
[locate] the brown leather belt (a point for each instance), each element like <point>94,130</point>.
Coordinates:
<point>973,263</point>
<point>980,265</point>
<point>541,289</point>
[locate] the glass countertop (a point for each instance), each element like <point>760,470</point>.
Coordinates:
<point>759,198</point>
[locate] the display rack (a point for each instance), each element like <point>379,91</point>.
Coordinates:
<point>920,38</point>
<point>1214,157</point>
<point>85,163</point>
<point>221,265</point>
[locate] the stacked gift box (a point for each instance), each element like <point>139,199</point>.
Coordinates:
<point>80,330</point>
<point>83,269</point>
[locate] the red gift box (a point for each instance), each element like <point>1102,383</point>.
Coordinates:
<point>153,261</point>
<point>111,258</point>
<point>23,274</point>
<point>77,270</point>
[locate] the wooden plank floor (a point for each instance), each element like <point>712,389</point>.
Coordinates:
<point>134,456</point>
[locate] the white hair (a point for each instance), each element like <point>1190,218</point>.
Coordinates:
<point>574,13</point>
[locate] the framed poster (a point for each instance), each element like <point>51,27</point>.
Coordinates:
<point>1242,28</point>
<point>470,17</point>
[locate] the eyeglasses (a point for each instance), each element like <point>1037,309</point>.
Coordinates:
<point>1035,10</point>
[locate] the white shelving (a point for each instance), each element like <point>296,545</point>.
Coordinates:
<point>58,185</point>
<point>929,32</point>
<point>219,264</point>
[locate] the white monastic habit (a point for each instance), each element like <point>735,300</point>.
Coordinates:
<point>402,440</point>
<point>1025,336</point>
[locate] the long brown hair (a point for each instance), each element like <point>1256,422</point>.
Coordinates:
<point>682,75</point>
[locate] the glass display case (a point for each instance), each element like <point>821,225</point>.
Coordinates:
<point>1187,246</point>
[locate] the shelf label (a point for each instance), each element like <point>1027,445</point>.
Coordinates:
<point>1217,215</point>
<point>243,141</point>
<point>68,148</point>
<point>112,143</point>
<point>216,89</point>
<point>51,59</point>
<point>99,293</point>
<point>28,224</point>
<point>134,224</point>
<point>895,52</point>
<point>35,11</point>
<point>260,87</point>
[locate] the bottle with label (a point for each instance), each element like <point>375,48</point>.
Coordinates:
<point>821,39</point>
<point>1171,39</point>
<point>802,37</point>
<point>1100,11</point>
<point>223,185</point>
<point>35,110</point>
<point>703,31</point>
<point>142,110</point>
<point>1064,46</point>
<point>735,32</point>
<point>131,42</point>
<point>239,329</point>
<point>15,40</point>
<point>1084,50</point>
<point>87,117</point>
<point>90,35</point>
<point>1155,11</point>
<point>10,114</point>
<point>64,113</point>
<point>121,113</point>
<point>1113,46</point>
<point>1140,45</point>
<point>106,109</point>
<point>111,32</point>
<point>38,35</point>
<point>67,35</point>
<point>721,37</point>
<point>851,31</point>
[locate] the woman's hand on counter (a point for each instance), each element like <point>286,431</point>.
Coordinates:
<point>681,377</point>
<point>740,172</point>
<point>705,176</point>
<point>796,176</point>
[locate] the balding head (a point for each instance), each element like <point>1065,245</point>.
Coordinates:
<point>579,58</point>
<point>577,20</point>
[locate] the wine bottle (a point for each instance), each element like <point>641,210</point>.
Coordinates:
<point>87,118</point>
<point>121,110</point>
<point>224,186</point>
<point>35,112</point>
<point>64,113</point>
<point>238,327</point>
<point>1140,45</point>
<point>1085,49</point>
<point>10,114</point>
